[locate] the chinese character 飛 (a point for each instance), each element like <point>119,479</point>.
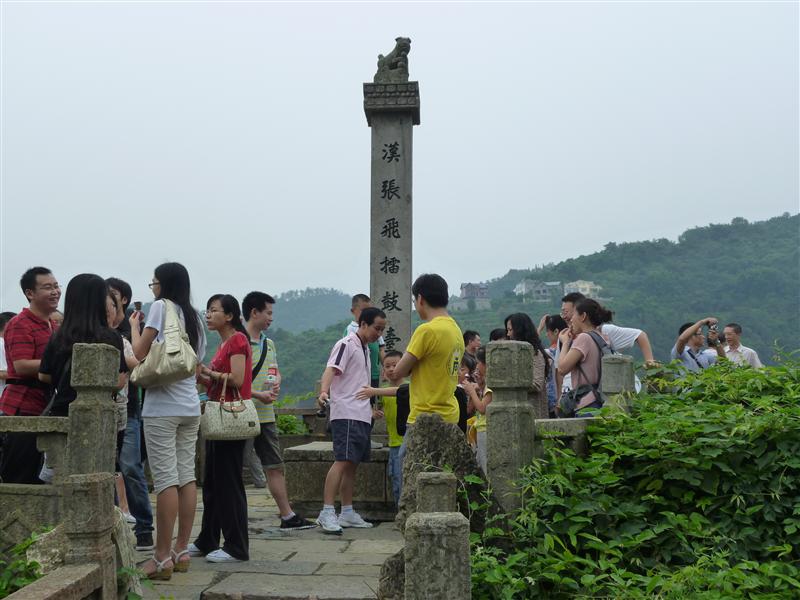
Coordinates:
<point>391,229</point>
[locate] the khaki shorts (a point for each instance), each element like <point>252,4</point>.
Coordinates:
<point>170,450</point>
<point>268,448</point>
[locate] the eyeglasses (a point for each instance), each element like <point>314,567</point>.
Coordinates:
<point>154,283</point>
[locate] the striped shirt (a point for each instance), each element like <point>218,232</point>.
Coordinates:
<point>266,412</point>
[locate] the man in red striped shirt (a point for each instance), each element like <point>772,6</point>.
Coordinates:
<point>25,339</point>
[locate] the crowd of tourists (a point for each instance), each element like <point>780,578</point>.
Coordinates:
<point>159,396</point>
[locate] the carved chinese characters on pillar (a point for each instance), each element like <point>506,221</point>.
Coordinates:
<point>390,295</point>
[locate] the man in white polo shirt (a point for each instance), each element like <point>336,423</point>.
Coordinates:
<point>348,371</point>
<point>735,351</point>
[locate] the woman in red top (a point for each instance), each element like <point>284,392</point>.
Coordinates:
<point>224,500</point>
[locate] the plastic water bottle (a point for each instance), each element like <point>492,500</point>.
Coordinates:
<point>269,382</point>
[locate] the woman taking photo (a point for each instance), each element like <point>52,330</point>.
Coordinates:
<point>224,500</point>
<point>171,417</point>
<point>580,354</point>
<point>520,328</point>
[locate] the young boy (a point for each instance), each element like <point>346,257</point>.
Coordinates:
<point>347,373</point>
<point>434,353</point>
<point>389,393</point>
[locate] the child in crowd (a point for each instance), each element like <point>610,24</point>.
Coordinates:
<point>388,391</point>
<point>348,373</point>
<point>479,398</point>
<point>466,374</point>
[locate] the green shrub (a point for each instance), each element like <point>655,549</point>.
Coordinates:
<point>291,424</point>
<point>16,571</point>
<point>696,494</point>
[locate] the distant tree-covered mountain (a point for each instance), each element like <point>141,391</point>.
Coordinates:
<point>311,308</point>
<point>743,272</point>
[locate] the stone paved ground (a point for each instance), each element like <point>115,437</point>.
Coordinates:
<point>287,565</point>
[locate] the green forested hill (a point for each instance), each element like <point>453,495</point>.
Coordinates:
<point>743,272</point>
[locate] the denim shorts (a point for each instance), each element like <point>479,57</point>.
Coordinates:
<point>351,440</point>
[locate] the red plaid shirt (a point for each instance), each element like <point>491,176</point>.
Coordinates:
<point>25,337</point>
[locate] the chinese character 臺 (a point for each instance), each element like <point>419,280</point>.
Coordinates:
<point>391,152</point>
<point>391,338</point>
<point>390,265</point>
<point>391,229</point>
<point>389,302</point>
<point>389,189</point>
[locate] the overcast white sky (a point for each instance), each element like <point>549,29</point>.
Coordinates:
<point>231,136</point>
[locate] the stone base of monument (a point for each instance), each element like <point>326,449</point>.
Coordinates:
<point>306,467</point>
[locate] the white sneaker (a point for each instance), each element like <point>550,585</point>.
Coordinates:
<point>329,523</point>
<point>129,518</point>
<point>353,519</point>
<point>194,550</point>
<point>220,556</point>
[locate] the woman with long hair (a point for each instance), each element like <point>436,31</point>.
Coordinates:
<point>520,328</point>
<point>224,500</point>
<point>85,322</point>
<point>580,354</point>
<point>171,417</point>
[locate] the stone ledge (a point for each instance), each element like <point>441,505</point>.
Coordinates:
<point>34,425</point>
<point>66,583</point>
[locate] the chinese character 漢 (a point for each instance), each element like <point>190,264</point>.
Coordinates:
<point>391,338</point>
<point>390,265</point>
<point>391,152</point>
<point>389,302</point>
<point>389,189</point>
<point>391,229</point>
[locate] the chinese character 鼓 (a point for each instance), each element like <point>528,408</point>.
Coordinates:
<point>389,189</point>
<point>391,338</point>
<point>390,265</point>
<point>391,152</point>
<point>391,229</point>
<point>389,302</point>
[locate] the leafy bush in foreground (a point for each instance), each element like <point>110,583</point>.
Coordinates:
<point>696,494</point>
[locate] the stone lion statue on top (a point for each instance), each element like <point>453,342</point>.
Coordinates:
<point>393,68</point>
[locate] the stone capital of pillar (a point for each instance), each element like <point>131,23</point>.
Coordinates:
<point>509,365</point>
<point>391,98</point>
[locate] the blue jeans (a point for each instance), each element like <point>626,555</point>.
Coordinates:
<point>395,472</point>
<point>132,467</point>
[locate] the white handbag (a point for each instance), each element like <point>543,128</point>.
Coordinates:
<point>168,361</point>
<point>235,420</point>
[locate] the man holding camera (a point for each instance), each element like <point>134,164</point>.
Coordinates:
<point>688,347</point>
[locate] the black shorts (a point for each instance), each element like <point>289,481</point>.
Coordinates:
<point>267,446</point>
<point>351,440</point>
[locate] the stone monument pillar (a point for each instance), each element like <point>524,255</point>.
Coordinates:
<point>391,104</point>
<point>510,417</point>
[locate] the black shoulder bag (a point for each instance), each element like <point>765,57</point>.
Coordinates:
<point>570,399</point>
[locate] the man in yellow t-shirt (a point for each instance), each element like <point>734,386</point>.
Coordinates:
<point>434,353</point>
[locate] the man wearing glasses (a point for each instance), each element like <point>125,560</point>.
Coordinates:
<point>688,347</point>
<point>26,337</point>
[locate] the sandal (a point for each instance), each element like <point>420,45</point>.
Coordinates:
<point>162,572</point>
<point>181,566</point>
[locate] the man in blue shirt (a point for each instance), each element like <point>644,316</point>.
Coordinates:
<point>688,347</point>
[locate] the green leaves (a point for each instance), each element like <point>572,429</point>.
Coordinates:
<point>695,494</point>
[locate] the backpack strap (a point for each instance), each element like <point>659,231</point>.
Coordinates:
<point>262,358</point>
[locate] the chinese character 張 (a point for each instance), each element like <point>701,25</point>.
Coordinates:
<point>389,189</point>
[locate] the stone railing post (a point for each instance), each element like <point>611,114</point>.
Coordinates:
<point>510,417</point>
<point>619,381</point>
<point>437,561</point>
<point>88,488</point>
